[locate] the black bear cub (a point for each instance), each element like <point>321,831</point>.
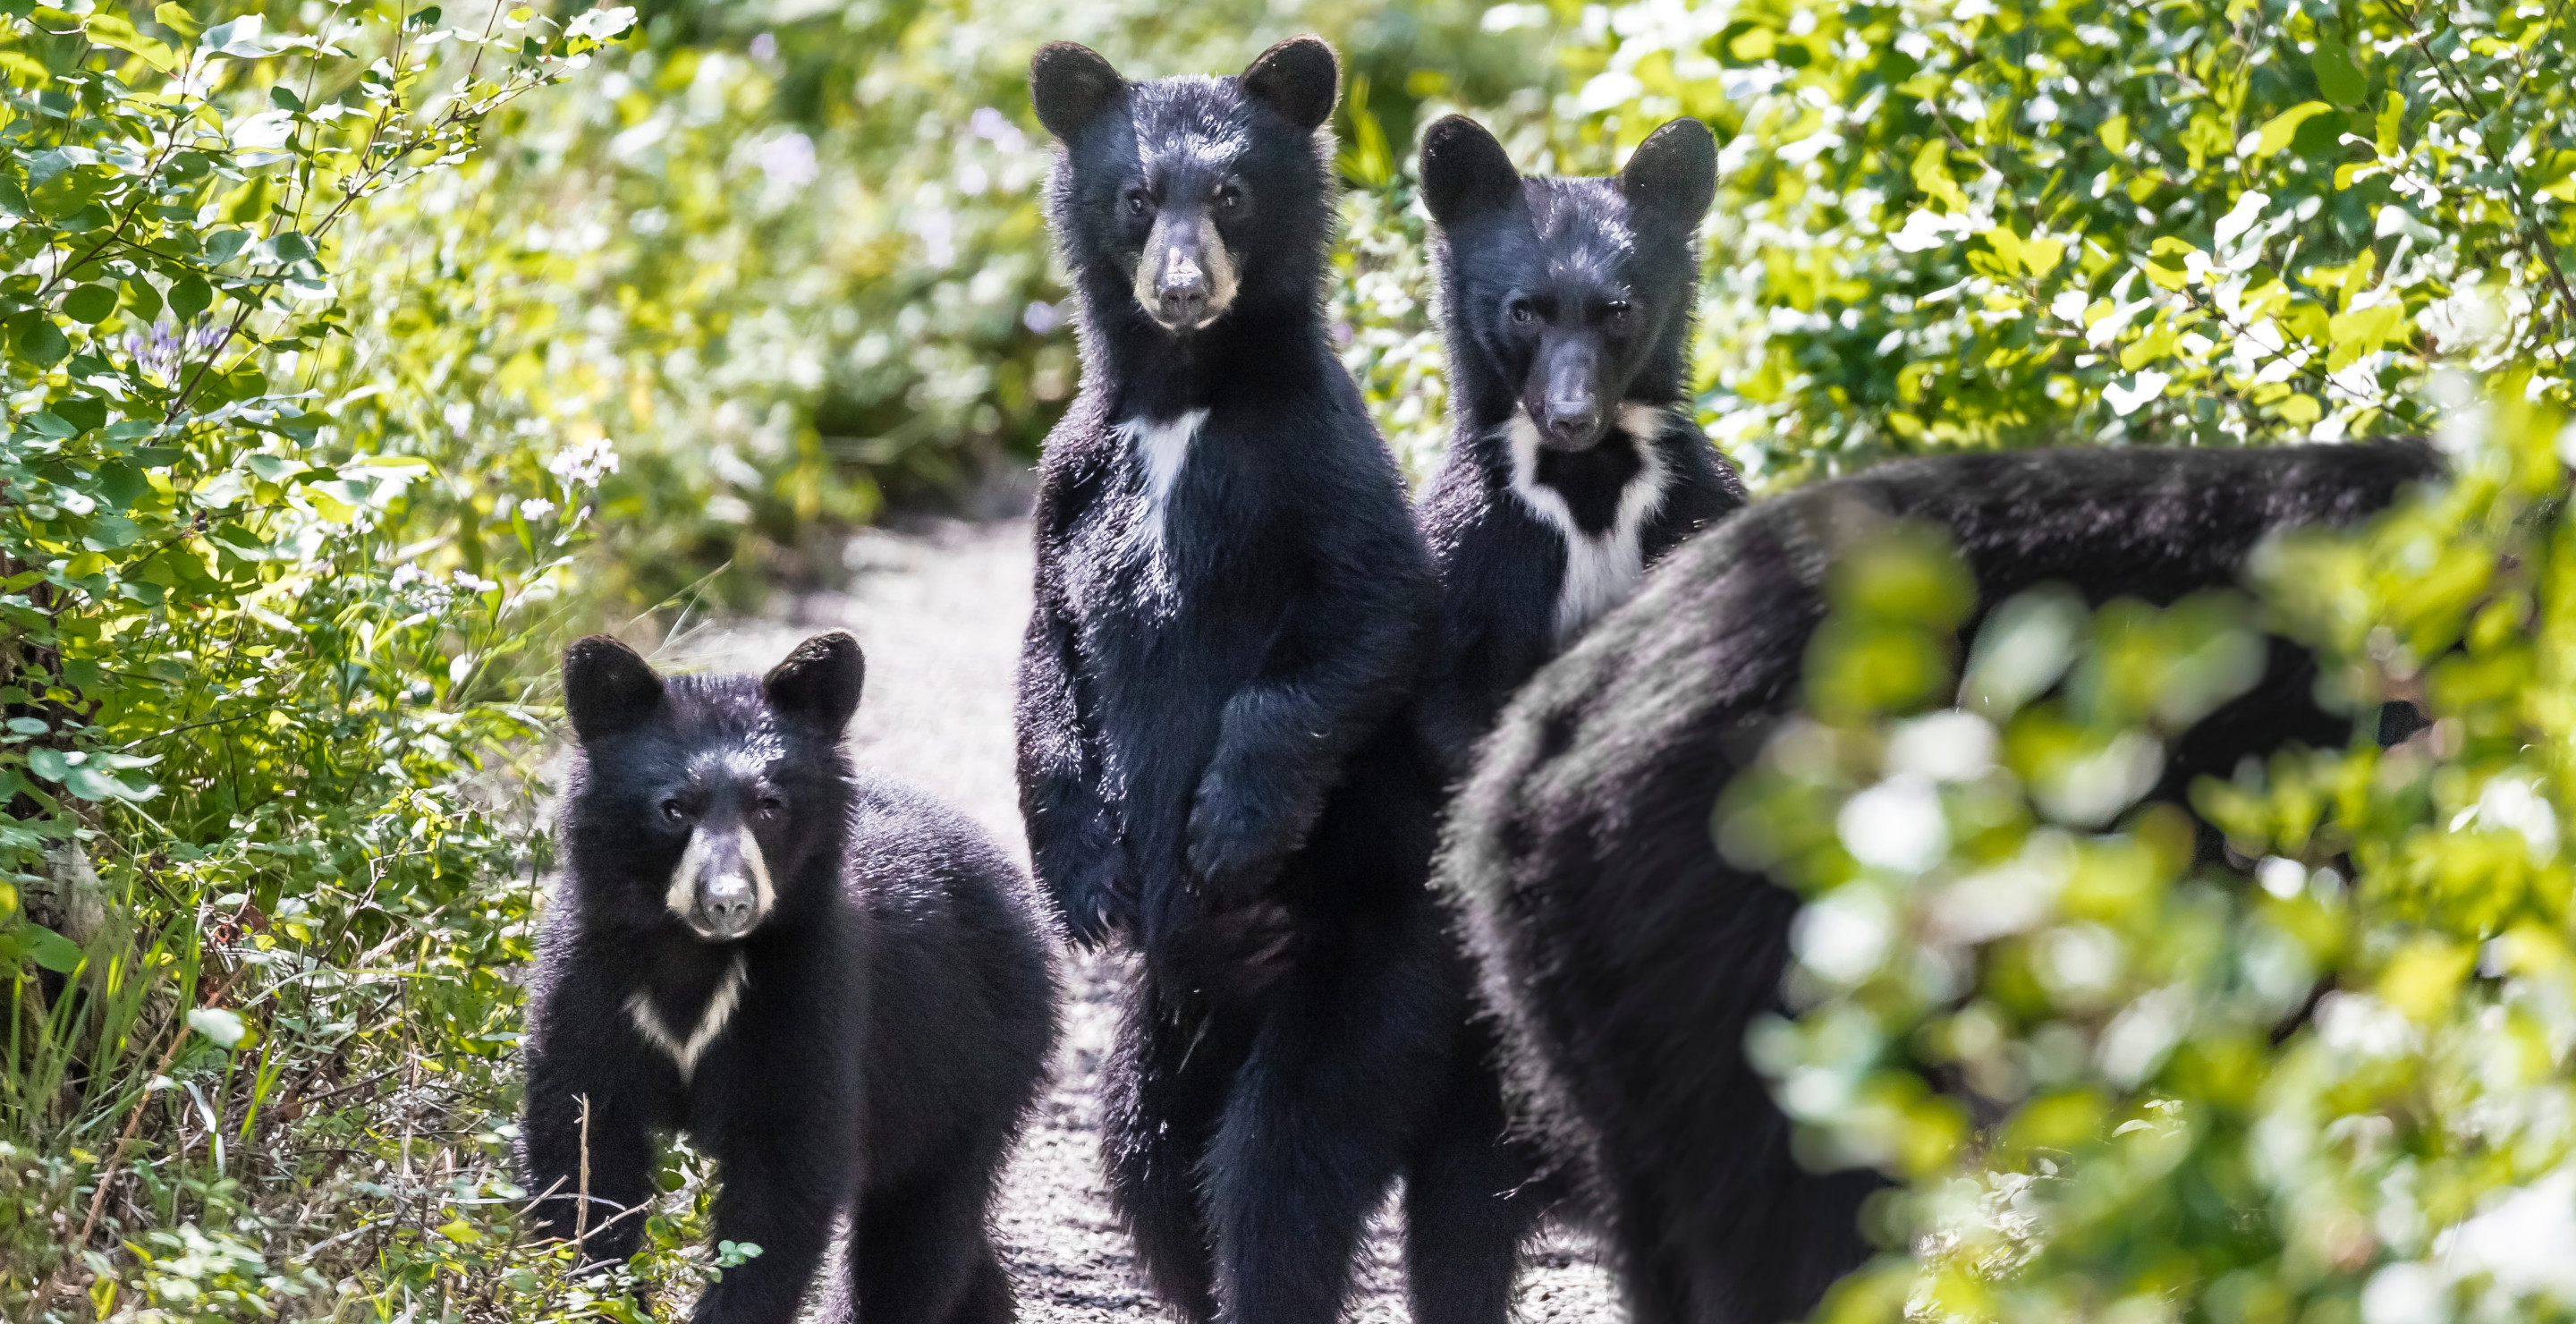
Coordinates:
<point>1566,309</point>
<point>1233,608</point>
<point>836,986</point>
<point>1625,957</point>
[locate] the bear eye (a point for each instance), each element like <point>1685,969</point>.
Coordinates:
<point>1229,197</point>
<point>672,812</point>
<point>771,806</point>
<point>1521,312</point>
<point>1617,312</point>
<point>1137,203</point>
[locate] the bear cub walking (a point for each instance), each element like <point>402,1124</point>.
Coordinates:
<point>1566,310</point>
<point>1625,957</point>
<point>836,986</point>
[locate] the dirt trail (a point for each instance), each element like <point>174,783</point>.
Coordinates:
<point>939,611</point>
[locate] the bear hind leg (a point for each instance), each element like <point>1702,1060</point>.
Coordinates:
<point>1469,1203</point>
<point>1165,1087</point>
<point>926,1255</point>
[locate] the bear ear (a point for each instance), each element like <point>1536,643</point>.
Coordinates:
<point>1464,171</point>
<point>1674,171</point>
<point>820,681</point>
<point>1071,84</point>
<point>608,688</point>
<point>1300,78</point>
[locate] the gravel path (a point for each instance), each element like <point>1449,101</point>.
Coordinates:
<point>938,610</point>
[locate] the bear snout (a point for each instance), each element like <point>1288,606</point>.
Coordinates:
<point>1186,278</point>
<point>721,888</point>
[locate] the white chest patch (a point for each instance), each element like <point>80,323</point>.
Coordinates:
<point>685,1052</point>
<point>1601,569</point>
<point>1161,451</point>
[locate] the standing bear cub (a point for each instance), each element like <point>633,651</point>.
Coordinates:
<point>1566,311</point>
<point>1232,609</point>
<point>836,986</point>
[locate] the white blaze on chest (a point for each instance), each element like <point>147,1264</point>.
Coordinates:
<point>1601,569</point>
<point>1161,450</point>
<point>685,1051</point>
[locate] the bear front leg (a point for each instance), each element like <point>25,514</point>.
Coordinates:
<point>1342,664</point>
<point>618,1144</point>
<point>1074,842</point>
<point>785,1169</point>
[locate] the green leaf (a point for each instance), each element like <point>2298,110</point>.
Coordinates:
<point>52,950</point>
<point>142,298</point>
<point>190,295</point>
<point>2337,75</point>
<point>82,412</point>
<point>176,18</point>
<point>2277,132</point>
<point>2350,335</point>
<point>121,484</point>
<point>40,342</point>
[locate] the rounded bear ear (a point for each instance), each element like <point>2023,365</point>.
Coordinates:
<point>608,687</point>
<point>1465,171</point>
<point>1071,84</point>
<point>1300,78</point>
<point>820,681</point>
<point>1674,171</point>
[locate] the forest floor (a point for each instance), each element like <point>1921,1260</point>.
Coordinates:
<point>938,608</point>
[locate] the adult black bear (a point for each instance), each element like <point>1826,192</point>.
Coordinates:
<point>1625,957</point>
<point>836,986</point>
<point>1232,605</point>
<point>1566,309</point>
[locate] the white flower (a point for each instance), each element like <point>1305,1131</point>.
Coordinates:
<point>583,464</point>
<point>535,508</point>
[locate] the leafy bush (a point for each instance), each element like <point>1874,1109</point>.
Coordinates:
<point>1975,225</point>
<point>2337,1090</point>
<point>793,256</point>
<point>263,665</point>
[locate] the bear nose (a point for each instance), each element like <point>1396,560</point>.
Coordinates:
<point>1573,422</point>
<point>1184,293</point>
<point>727,906</point>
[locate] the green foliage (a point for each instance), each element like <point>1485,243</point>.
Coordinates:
<point>2337,1089</point>
<point>793,257</point>
<point>264,647</point>
<point>343,376</point>
<point>1975,225</point>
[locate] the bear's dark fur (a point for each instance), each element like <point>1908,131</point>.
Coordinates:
<point>1566,310</point>
<point>836,986</point>
<point>1232,606</point>
<point>1625,957</point>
